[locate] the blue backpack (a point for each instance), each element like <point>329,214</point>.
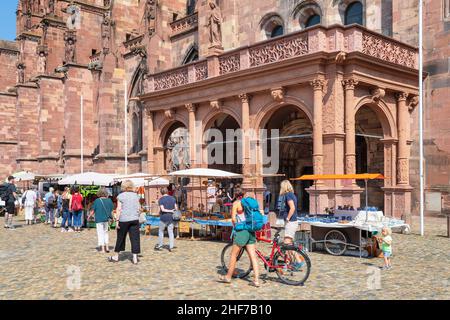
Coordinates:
<point>254,220</point>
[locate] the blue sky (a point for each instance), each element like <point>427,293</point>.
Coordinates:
<point>8,19</point>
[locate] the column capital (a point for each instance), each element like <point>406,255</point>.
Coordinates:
<point>191,107</point>
<point>401,96</point>
<point>318,84</point>
<point>350,84</point>
<point>245,97</point>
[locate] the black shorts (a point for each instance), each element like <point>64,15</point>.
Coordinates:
<point>10,207</point>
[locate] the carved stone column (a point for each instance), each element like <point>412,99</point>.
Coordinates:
<point>191,108</point>
<point>318,86</point>
<point>403,123</point>
<point>150,142</point>
<point>350,149</point>
<point>246,171</point>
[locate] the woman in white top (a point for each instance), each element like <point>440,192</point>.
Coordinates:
<point>29,205</point>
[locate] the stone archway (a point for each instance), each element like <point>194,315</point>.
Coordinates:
<point>221,135</point>
<point>176,147</point>
<point>294,145</point>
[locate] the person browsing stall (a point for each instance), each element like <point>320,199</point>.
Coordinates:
<point>168,206</point>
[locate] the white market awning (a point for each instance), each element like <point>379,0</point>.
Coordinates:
<point>89,179</point>
<point>205,173</point>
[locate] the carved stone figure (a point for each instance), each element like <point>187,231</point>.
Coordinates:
<point>28,25</point>
<point>215,25</point>
<point>26,6</point>
<point>51,7</point>
<point>70,48</point>
<point>106,32</point>
<point>150,16</point>
<point>143,66</point>
<point>106,3</point>
<point>20,72</point>
<point>62,153</point>
<point>42,63</point>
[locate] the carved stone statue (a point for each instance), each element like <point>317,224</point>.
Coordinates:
<point>143,66</point>
<point>70,48</point>
<point>215,25</point>
<point>106,32</point>
<point>150,16</point>
<point>28,24</point>
<point>20,72</point>
<point>51,7</point>
<point>42,63</point>
<point>62,153</point>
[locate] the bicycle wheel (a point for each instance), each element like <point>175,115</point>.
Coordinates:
<point>243,263</point>
<point>292,266</point>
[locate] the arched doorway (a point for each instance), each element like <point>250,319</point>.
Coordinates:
<point>176,148</point>
<point>221,137</point>
<point>295,151</point>
<point>370,153</point>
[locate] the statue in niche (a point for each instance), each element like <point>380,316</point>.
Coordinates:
<point>144,73</point>
<point>20,72</point>
<point>28,25</point>
<point>51,7</point>
<point>42,63</point>
<point>62,153</point>
<point>69,49</point>
<point>106,32</point>
<point>215,25</point>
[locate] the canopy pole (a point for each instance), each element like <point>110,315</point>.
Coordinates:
<point>367,201</point>
<point>421,151</point>
<point>82,134</point>
<point>126,126</point>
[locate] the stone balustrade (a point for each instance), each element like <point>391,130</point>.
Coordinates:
<point>317,39</point>
<point>185,24</point>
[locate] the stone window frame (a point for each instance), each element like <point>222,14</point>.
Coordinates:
<point>190,52</point>
<point>343,5</point>
<point>306,10</point>
<point>269,22</point>
<point>446,10</point>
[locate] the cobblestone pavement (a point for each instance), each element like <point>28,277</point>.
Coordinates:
<point>37,262</point>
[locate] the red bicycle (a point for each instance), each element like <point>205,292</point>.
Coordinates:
<point>290,262</point>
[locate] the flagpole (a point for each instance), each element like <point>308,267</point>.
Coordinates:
<point>126,127</point>
<point>421,151</point>
<point>82,133</point>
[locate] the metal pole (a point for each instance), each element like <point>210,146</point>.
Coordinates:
<point>126,126</point>
<point>367,201</point>
<point>82,134</point>
<point>315,187</point>
<point>421,151</point>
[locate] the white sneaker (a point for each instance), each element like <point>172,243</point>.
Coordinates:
<point>70,230</point>
<point>63,230</point>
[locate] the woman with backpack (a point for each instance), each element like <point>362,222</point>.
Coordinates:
<point>66,213</point>
<point>102,210</point>
<point>76,205</point>
<point>242,238</point>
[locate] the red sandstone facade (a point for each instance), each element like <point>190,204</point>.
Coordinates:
<point>348,92</point>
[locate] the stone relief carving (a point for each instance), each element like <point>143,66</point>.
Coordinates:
<point>150,16</point>
<point>171,79</point>
<point>215,25</point>
<point>278,50</point>
<point>216,105</point>
<point>377,94</point>
<point>278,94</point>
<point>389,51</point>
<point>228,64</point>
<point>70,40</point>
<point>414,102</point>
<point>42,63</point>
<point>350,164</point>
<point>340,57</point>
<point>106,32</point>
<point>403,170</point>
<point>20,72</point>
<point>169,113</point>
<point>201,71</point>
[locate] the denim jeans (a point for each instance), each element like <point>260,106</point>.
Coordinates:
<point>77,218</point>
<point>162,227</point>
<point>50,214</point>
<point>66,218</point>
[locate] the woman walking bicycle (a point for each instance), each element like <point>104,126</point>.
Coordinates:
<point>242,239</point>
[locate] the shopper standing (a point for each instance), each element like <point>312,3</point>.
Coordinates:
<point>167,206</point>
<point>10,197</point>
<point>127,214</point>
<point>66,223</point>
<point>102,210</point>
<point>50,206</point>
<point>29,203</point>
<point>76,205</point>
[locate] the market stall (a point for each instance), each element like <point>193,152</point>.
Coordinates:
<point>203,218</point>
<point>342,230</point>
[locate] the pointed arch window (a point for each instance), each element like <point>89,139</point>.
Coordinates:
<point>191,55</point>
